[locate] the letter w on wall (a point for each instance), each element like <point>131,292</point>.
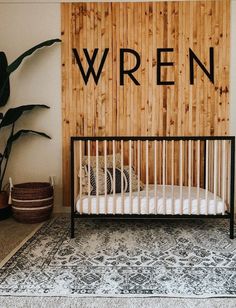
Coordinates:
<point>90,62</point>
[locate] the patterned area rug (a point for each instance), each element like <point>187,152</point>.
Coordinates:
<point>124,258</point>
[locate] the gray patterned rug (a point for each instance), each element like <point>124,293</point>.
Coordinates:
<point>124,258</point>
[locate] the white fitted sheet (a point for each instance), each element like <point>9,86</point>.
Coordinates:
<point>172,196</point>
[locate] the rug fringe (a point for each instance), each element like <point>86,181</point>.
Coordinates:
<point>117,295</point>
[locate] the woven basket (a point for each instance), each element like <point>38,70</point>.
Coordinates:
<point>32,202</point>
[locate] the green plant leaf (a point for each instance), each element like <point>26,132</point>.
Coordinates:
<point>18,135</point>
<point>13,114</point>
<point>4,80</point>
<point>14,65</point>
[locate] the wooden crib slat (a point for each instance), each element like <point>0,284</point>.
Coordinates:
<point>155,175</point>
<point>164,174</point>
<point>114,175</point>
<point>228,152</point>
<point>215,174</point>
<point>211,167</point>
<point>189,176</point>
<point>210,172</point>
<point>139,203</point>
<point>181,176</point>
<point>130,178</point>
<point>206,175</point>
<point>147,178</point>
<point>198,177</point>
<point>97,181</point>
<point>227,168</point>
<point>105,173</point>
<point>223,175</point>
<point>89,175</point>
<point>80,174</point>
<point>122,173</point>
<point>219,163</point>
<point>172,176</point>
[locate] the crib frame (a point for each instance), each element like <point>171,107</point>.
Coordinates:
<point>228,215</point>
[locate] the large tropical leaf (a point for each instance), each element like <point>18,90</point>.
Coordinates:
<point>4,80</point>
<point>18,135</point>
<point>14,65</point>
<point>13,114</point>
<point>6,70</point>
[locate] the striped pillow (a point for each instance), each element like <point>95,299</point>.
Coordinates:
<point>119,176</point>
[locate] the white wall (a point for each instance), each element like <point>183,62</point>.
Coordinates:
<point>23,25</point>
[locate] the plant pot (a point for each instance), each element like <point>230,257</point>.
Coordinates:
<point>3,199</point>
<point>32,202</point>
<point>4,207</point>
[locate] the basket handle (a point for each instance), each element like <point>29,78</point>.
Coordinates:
<point>10,190</point>
<point>51,180</point>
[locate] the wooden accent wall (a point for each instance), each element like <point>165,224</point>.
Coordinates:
<point>148,109</point>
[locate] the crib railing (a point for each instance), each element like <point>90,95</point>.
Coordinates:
<point>187,162</point>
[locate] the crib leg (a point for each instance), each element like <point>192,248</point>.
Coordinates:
<point>72,227</point>
<point>231,230</point>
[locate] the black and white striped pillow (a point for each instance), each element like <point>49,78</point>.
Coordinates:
<point>119,177</point>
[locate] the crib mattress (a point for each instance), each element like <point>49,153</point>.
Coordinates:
<point>166,201</point>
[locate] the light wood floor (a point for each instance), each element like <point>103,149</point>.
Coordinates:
<point>12,233</point>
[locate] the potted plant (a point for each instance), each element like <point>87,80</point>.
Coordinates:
<point>9,119</point>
